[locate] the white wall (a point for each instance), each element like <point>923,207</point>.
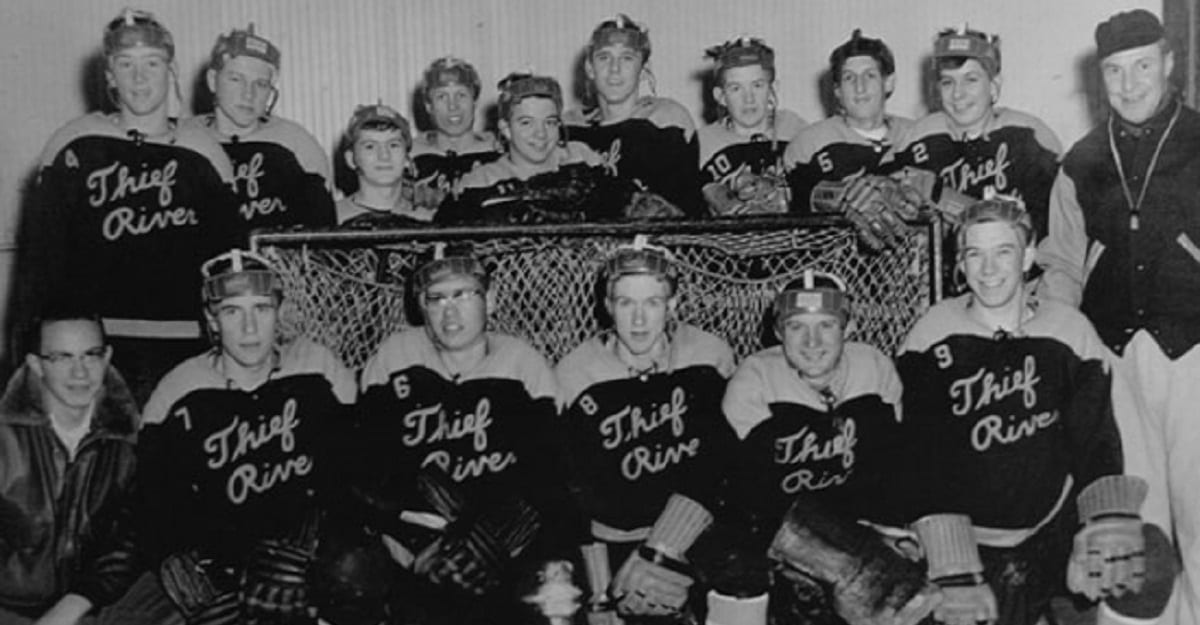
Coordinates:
<point>339,53</point>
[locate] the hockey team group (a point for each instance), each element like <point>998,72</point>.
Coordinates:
<point>1026,456</point>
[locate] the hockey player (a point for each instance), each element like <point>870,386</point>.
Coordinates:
<point>130,204</point>
<point>67,428</point>
<point>741,154</point>
<point>450,90</point>
<point>461,416</point>
<point>819,418</point>
<point>640,406</point>
<point>530,111</point>
<point>1010,399</point>
<point>971,143</point>
<point>1123,247</point>
<point>539,163</point>
<point>858,139</point>
<point>282,175</point>
<point>235,463</point>
<point>645,138</point>
<point>376,147</point>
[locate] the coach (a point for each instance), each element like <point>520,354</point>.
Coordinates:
<point>1124,245</point>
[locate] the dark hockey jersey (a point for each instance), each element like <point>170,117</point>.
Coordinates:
<point>841,448</point>
<point>1016,155</point>
<point>125,223</point>
<point>656,147</point>
<point>724,154</point>
<point>635,438</point>
<point>442,170</point>
<point>282,175</point>
<point>832,150</point>
<point>485,429</point>
<point>222,467</point>
<point>1003,420</point>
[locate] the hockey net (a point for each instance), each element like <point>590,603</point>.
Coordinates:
<point>347,289</point>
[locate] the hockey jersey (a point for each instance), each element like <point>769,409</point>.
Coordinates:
<point>634,438</point>
<point>831,150</point>
<point>1017,154</point>
<point>224,467</point>
<point>656,147</point>
<point>841,446</point>
<point>484,428</point>
<point>724,154</point>
<point>1003,420</point>
<point>442,170</point>
<point>282,175</point>
<point>125,222</point>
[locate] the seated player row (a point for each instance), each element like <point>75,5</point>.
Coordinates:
<point>643,468</point>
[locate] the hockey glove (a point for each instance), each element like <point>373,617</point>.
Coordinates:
<point>276,585</point>
<point>869,584</point>
<point>1162,566</point>
<point>1108,558</point>
<point>948,541</point>
<point>876,205</point>
<point>649,205</point>
<point>473,554</point>
<point>655,578</point>
<point>185,580</point>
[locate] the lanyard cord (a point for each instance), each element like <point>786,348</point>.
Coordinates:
<point>1136,208</point>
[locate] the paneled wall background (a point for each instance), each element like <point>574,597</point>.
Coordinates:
<point>339,53</point>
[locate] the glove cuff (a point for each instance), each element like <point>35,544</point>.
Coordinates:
<point>729,610</point>
<point>951,204</point>
<point>1112,495</point>
<point>599,572</point>
<point>949,544</point>
<point>827,196</point>
<point>679,525</point>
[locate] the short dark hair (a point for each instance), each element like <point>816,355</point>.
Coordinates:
<point>861,46</point>
<point>60,310</point>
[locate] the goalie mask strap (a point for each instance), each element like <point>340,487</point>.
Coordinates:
<point>239,272</point>
<point>813,298</point>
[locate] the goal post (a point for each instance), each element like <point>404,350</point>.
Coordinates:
<point>347,289</point>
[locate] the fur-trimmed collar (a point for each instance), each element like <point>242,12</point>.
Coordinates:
<point>116,414</point>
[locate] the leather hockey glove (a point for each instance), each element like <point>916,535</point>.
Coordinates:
<point>948,203</point>
<point>876,205</point>
<point>1162,566</point>
<point>650,205</point>
<point>474,554</point>
<point>655,579</point>
<point>748,194</point>
<point>1109,554</point>
<point>868,583</point>
<point>226,609</point>
<point>948,541</point>
<point>186,581</point>
<point>275,589</point>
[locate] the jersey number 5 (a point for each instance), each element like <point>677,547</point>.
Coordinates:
<point>825,162</point>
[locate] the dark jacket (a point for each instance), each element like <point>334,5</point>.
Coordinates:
<point>1127,279</point>
<point>58,516</point>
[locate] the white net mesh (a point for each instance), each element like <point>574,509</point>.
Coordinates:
<point>347,290</point>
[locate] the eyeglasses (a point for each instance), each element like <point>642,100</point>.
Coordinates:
<point>92,358</point>
<point>458,296</point>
